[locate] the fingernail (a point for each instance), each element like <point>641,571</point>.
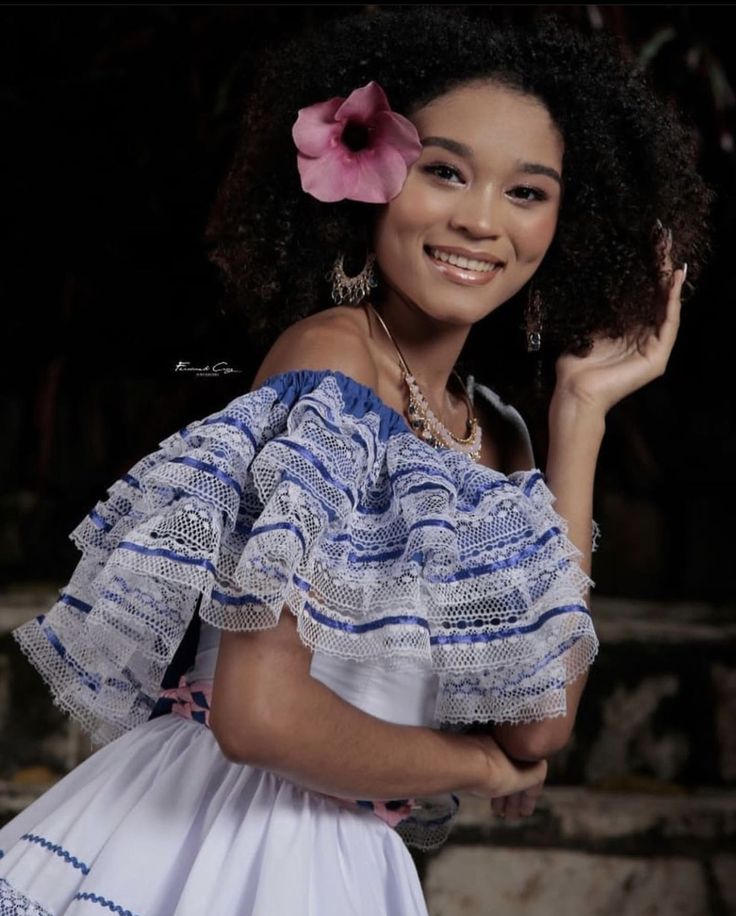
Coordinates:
<point>659,225</point>
<point>684,272</point>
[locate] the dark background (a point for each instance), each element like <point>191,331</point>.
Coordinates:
<point>117,126</point>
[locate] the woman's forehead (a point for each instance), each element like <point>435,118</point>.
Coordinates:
<point>483,119</point>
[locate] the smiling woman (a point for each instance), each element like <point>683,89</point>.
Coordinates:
<point>460,210</point>
<point>388,596</point>
<point>628,161</point>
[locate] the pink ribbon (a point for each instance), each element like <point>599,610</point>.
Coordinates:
<point>191,701</point>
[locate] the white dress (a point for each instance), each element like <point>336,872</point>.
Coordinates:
<point>431,590</point>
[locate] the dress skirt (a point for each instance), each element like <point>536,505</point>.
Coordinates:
<point>160,823</point>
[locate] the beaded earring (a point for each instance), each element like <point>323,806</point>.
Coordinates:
<point>352,289</point>
<point>534,320</point>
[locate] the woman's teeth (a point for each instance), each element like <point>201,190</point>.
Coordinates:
<point>459,261</point>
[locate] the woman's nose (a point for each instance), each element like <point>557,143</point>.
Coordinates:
<point>477,213</point>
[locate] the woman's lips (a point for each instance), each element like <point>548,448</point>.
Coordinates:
<point>463,275</point>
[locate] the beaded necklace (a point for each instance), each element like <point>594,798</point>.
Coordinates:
<point>422,418</point>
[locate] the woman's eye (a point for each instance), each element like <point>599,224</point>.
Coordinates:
<point>538,195</point>
<point>445,172</point>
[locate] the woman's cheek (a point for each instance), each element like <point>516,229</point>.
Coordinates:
<point>537,236</point>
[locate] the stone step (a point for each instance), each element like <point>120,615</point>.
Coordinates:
<point>589,853</point>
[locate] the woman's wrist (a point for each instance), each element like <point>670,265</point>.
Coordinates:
<point>570,416</point>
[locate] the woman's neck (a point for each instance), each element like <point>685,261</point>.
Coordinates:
<point>430,348</point>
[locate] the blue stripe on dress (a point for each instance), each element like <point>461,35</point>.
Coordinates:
<point>103,902</point>
<point>510,631</point>
<point>57,850</point>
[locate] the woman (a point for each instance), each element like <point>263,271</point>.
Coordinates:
<point>437,638</point>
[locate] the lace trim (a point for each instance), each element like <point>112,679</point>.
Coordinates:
<point>13,903</point>
<point>313,494</point>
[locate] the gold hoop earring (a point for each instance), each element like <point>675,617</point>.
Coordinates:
<point>352,290</point>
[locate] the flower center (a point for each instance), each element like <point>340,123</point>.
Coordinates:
<point>355,136</point>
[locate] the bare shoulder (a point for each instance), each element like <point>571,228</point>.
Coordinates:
<point>335,338</point>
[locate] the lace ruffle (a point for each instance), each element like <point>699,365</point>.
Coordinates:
<point>311,493</point>
<point>13,903</point>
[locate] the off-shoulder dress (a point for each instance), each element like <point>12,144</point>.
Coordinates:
<point>432,591</point>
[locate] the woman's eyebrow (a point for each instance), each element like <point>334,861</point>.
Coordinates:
<point>451,146</point>
<point>460,149</point>
<point>536,168</point>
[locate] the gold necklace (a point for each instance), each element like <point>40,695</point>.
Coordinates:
<point>422,418</point>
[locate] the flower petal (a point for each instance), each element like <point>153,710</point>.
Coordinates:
<point>315,127</point>
<point>398,132</point>
<point>324,177</point>
<point>363,104</point>
<point>377,176</point>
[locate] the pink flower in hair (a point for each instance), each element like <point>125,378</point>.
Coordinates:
<point>354,148</point>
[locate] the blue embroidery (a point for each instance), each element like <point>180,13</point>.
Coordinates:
<point>210,469</point>
<point>511,631</point>
<point>508,563</point>
<point>366,627</point>
<point>228,421</point>
<point>58,850</point>
<point>87,679</point>
<point>315,462</point>
<point>108,904</point>
<point>66,598</point>
<point>281,526</point>
<point>169,554</point>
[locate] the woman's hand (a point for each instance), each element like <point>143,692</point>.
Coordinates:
<point>519,804</point>
<point>504,777</point>
<point>616,367</point>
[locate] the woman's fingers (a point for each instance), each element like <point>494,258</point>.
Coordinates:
<point>667,331</point>
<point>527,805</point>
<point>663,339</point>
<point>520,804</point>
<point>513,805</point>
<point>666,259</point>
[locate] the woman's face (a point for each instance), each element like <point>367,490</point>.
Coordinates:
<point>472,194</point>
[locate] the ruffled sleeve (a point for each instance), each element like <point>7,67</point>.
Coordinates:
<point>310,493</point>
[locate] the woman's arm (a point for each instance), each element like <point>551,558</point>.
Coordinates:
<point>586,389</point>
<point>268,711</point>
<point>576,433</point>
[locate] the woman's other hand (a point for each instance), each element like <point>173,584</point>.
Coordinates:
<point>503,776</point>
<point>519,804</point>
<point>616,367</point>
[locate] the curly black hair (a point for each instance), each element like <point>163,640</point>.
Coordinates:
<point>630,159</point>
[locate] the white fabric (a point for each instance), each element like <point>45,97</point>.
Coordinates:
<point>159,823</point>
